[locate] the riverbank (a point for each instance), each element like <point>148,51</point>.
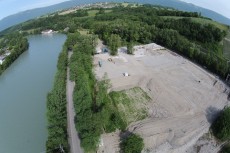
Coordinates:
<point>23,89</point>
<point>17,43</point>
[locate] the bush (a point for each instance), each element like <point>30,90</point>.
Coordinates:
<point>225,149</point>
<point>132,144</point>
<point>221,127</point>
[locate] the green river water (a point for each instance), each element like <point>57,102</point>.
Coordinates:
<point>23,89</point>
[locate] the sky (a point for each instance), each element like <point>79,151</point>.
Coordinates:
<point>9,7</point>
<point>219,6</point>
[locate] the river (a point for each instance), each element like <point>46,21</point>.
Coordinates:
<point>23,89</point>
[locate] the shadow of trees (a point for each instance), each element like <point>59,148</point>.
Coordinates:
<point>212,113</point>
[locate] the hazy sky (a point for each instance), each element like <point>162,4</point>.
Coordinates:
<point>219,6</point>
<point>8,7</point>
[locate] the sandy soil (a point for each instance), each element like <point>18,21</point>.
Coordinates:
<point>185,97</point>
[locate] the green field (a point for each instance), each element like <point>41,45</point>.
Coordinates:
<point>226,49</point>
<point>202,21</point>
<point>206,21</point>
<point>84,32</point>
<point>93,12</point>
<point>131,104</point>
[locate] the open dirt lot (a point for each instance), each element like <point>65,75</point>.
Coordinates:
<point>185,97</point>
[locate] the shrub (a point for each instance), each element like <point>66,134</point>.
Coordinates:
<point>221,127</point>
<point>132,144</point>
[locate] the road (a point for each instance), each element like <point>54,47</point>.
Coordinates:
<point>73,139</point>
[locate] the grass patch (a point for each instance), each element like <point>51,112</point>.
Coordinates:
<point>226,148</point>
<point>125,4</point>
<point>108,11</point>
<point>227,49</point>
<point>129,5</point>
<point>201,20</point>
<point>84,32</point>
<point>206,21</point>
<point>131,104</point>
<point>92,12</point>
<point>132,144</point>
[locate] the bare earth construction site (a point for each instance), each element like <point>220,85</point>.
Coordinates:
<point>184,97</point>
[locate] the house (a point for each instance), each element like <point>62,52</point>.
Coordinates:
<point>98,50</point>
<point>47,31</point>
<point>2,59</point>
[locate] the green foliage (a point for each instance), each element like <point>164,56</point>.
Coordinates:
<point>87,122</point>
<point>221,127</point>
<point>56,108</point>
<point>82,13</point>
<point>114,42</point>
<point>132,144</point>
<point>17,44</point>
<point>130,48</point>
<point>225,149</point>
<point>197,41</point>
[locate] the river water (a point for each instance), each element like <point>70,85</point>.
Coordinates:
<point>23,89</point>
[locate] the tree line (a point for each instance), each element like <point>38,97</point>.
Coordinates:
<point>196,41</point>
<point>95,111</point>
<point>56,107</point>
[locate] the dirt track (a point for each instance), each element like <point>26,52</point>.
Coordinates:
<point>185,97</point>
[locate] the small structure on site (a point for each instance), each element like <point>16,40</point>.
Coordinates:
<point>100,63</point>
<point>105,50</point>
<point>126,74</point>
<point>98,50</point>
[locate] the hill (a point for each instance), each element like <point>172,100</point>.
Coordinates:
<point>30,14</point>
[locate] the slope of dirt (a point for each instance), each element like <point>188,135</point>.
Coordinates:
<point>185,97</point>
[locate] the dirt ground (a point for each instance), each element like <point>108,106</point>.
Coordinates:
<point>185,97</point>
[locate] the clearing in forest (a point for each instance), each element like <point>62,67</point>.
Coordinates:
<point>183,97</point>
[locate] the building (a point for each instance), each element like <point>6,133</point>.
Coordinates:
<point>98,50</point>
<point>47,31</point>
<point>2,59</point>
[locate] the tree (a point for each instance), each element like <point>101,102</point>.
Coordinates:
<point>132,144</point>
<point>114,42</point>
<point>221,127</point>
<point>130,48</point>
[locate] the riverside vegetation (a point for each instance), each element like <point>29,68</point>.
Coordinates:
<point>16,44</point>
<point>56,107</point>
<point>96,111</point>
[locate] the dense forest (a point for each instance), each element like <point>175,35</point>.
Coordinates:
<point>14,43</point>
<point>176,30</point>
